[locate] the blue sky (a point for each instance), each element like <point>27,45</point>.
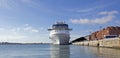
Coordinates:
<point>28,20</point>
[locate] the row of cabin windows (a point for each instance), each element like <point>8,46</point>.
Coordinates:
<point>63,31</point>
<point>60,26</point>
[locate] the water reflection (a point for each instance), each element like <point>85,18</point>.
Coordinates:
<point>93,52</point>
<point>60,51</point>
<point>104,52</point>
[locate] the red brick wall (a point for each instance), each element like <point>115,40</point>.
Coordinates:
<point>106,31</point>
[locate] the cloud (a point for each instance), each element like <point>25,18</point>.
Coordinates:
<point>35,30</point>
<point>11,4</point>
<point>18,32</point>
<point>24,33</point>
<point>1,29</point>
<point>26,1</point>
<point>25,28</point>
<point>80,10</point>
<point>16,4</point>
<point>108,13</point>
<point>83,10</point>
<point>81,21</point>
<point>12,37</point>
<point>92,8</point>
<point>30,28</point>
<point>107,17</point>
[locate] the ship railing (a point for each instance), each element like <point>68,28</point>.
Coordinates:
<point>60,29</point>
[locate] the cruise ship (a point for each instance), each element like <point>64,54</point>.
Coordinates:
<point>59,33</point>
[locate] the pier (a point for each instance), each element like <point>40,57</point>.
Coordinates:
<point>108,37</point>
<point>112,43</point>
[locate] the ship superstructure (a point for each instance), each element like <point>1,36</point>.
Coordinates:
<point>59,33</point>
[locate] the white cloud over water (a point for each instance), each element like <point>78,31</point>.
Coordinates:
<point>23,33</point>
<point>106,17</point>
<point>5,37</point>
<point>30,28</point>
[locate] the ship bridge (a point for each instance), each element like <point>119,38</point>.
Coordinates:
<point>59,26</point>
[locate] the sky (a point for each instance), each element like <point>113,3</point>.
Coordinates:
<point>27,21</point>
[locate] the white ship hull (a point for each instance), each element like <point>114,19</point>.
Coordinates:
<point>59,33</point>
<point>60,37</point>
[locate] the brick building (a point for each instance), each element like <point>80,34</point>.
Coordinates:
<point>106,31</point>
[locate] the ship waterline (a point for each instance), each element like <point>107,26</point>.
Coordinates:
<point>59,33</point>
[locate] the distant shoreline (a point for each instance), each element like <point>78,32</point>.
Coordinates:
<point>8,43</point>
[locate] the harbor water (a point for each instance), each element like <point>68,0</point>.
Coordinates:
<point>56,51</point>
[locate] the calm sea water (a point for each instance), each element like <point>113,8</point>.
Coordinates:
<point>56,51</point>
